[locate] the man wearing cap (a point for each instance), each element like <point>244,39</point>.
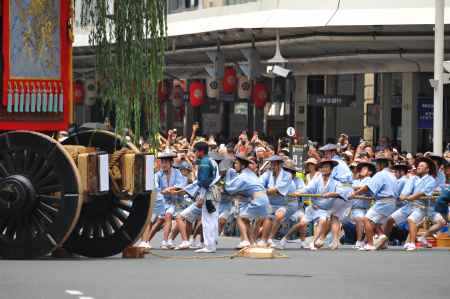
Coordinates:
<point>254,202</point>
<point>321,207</point>
<point>414,211</point>
<point>383,186</point>
<point>277,182</point>
<point>168,180</point>
<point>360,206</point>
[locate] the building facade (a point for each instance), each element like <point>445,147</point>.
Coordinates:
<point>359,67</point>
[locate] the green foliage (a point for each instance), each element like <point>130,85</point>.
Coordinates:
<point>129,38</point>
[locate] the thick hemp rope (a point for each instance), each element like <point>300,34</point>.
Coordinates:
<point>115,172</point>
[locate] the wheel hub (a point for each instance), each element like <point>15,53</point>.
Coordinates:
<point>16,194</point>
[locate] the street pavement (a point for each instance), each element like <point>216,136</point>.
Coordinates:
<point>345,273</point>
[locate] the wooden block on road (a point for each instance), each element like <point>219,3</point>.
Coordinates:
<point>133,252</point>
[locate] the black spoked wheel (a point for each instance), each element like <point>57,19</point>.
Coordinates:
<point>40,198</point>
<point>107,224</point>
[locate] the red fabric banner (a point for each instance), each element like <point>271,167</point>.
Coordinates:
<point>41,67</point>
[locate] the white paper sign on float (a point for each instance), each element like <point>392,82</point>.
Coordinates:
<point>149,172</point>
<point>103,164</point>
<point>212,88</point>
<point>244,88</point>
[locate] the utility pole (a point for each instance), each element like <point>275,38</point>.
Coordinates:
<point>438,113</point>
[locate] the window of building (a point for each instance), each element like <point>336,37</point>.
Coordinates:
<point>232,2</point>
<point>278,109</point>
<point>181,5</point>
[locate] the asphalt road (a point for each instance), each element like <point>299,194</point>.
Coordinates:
<point>324,274</point>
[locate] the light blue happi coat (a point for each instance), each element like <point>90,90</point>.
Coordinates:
<point>341,172</point>
<point>383,184</point>
<point>194,190</point>
<point>317,186</point>
<point>440,180</point>
<point>401,183</point>
<point>229,175</point>
<point>246,183</point>
<point>360,203</point>
<point>176,179</point>
<point>416,184</point>
<point>282,183</point>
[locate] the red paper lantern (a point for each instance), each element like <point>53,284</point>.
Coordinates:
<point>163,91</point>
<point>197,92</point>
<point>229,80</point>
<point>260,95</point>
<point>79,93</point>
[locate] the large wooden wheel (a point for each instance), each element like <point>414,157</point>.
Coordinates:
<point>40,198</point>
<point>107,224</point>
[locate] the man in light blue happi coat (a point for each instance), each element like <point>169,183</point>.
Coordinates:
<point>206,195</point>
<point>382,186</point>
<point>321,207</point>
<point>360,206</point>
<point>254,203</point>
<point>277,182</point>
<point>415,209</point>
<point>167,181</point>
<point>341,206</point>
<point>295,208</point>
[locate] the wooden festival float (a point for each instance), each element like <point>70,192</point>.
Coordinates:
<point>89,194</point>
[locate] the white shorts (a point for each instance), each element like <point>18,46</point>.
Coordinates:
<point>313,214</point>
<point>156,217</point>
<point>358,213</point>
<point>376,217</point>
<point>381,210</point>
<point>437,217</point>
<point>192,213</point>
<point>341,208</point>
<point>225,210</point>
<point>408,212</point>
<point>288,211</point>
<point>298,215</point>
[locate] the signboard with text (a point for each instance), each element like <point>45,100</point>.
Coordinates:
<point>425,113</point>
<point>330,100</point>
<point>298,152</point>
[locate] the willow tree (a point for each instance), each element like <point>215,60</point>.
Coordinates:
<point>129,38</point>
